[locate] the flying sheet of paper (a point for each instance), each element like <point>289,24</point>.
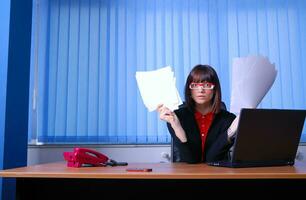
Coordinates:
<point>252,78</point>
<point>158,87</point>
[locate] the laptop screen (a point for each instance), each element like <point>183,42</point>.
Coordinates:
<point>267,135</point>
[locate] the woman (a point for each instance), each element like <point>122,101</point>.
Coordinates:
<point>200,129</point>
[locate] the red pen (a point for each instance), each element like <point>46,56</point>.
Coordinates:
<point>139,169</point>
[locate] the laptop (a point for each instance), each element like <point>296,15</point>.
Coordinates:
<point>266,137</point>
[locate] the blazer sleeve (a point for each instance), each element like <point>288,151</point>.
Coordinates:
<point>219,149</point>
<point>186,151</point>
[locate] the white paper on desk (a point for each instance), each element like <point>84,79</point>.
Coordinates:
<point>252,77</point>
<point>158,87</point>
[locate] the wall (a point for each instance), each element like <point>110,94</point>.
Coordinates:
<point>15,45</point>
<point>4,37</point>
<point>124,153</point>
<point>128,153</point>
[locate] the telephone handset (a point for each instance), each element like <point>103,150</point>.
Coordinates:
<point>83,156</point>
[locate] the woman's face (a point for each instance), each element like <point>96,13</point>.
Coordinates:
<point>202,93</point>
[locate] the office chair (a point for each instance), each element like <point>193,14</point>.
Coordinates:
<point>175,154</point>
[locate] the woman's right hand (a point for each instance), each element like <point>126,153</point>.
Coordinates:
<point>167,115</point>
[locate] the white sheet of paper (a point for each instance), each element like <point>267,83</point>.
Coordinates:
<point>252,78</point>
<point>158,87</point>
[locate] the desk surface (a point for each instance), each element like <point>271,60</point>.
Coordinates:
<point>160,171</point>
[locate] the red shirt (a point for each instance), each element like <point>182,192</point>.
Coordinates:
<point>204,122</point>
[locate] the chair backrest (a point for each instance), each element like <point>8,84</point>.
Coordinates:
<point>175,153</point>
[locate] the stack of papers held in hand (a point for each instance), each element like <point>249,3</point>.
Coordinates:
<point>158,87</point>
<point>252,77</point>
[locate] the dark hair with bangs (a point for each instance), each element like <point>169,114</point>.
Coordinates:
<point>201,73</point>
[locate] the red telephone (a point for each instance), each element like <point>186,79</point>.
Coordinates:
<point>83,156</point>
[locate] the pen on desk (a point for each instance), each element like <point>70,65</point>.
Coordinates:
<point>139,169</point>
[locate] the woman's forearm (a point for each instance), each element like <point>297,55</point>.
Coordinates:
<point>180,133</point>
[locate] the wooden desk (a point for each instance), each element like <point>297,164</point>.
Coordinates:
<point>53,179</point>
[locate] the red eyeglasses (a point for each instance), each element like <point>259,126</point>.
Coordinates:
<point>204,86</point>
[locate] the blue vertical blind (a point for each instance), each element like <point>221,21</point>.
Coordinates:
<point>85,54</point>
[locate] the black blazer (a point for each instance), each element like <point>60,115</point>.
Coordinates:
<point>216,146</point>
